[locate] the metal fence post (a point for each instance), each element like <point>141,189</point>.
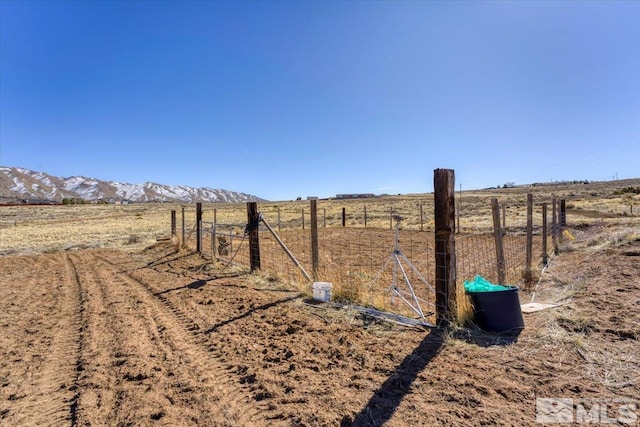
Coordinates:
<point>529,250</point>
<point>199,227</point>
<point>173,223</point>
<point>545,254</point>
<point>314,238</point>
<point>183,230</point>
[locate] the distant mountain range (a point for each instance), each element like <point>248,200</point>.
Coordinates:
<point>18,185</point>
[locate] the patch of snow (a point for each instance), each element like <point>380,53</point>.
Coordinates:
<point>19,186</point>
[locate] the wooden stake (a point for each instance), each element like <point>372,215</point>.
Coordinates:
<point>173,223</point>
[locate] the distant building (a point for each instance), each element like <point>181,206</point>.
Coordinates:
<point>312,197</point>
<point>355,196</point>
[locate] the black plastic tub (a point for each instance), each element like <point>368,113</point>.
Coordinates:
<point>498,311</point>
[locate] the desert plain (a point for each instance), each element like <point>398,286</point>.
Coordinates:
<point>104,320</point>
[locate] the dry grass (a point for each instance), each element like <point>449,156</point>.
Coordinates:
<point>31,229</point>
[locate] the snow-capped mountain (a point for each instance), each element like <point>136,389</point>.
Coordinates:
<point>19,185</point>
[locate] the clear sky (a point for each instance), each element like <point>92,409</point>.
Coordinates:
<point>285,99</point>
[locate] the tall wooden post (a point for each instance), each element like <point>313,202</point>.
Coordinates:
<point>199,227</point>
<point>545,253</point>
<point>314,239</point>
<point>253,218</point>
<point>563,212</point>
<point>497,234</point>
<point>344,216</point>
<point>173,223</point>
<point>444,217</point>
<point>529,251</point>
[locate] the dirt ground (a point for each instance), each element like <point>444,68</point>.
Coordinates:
<point>164,337</point>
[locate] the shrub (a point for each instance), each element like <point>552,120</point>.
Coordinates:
<point>133,238</point>
<point>627,190</point>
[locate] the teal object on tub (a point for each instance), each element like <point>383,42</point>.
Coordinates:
<point>480,284</point>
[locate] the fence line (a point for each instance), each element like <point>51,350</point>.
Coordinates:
<point>353,259</point>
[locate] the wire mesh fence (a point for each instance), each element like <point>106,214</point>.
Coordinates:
<point>363,267</point>
<point>369,261</point>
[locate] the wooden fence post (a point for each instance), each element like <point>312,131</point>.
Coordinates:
<point>497,234</point>
<point>173,223</point>
<point>529,252</point>
<point>563,212</point>
<point>199,227</point>
<point>365,216</point>
<point>303,218</point>
<point>504,217</point>
<point>314,239</point>
<point>344,216</point>
<point>253,218</point>
<point>444,218</point>
<point>545,253</point>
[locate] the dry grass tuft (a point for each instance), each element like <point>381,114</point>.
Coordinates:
<point>464,306</point>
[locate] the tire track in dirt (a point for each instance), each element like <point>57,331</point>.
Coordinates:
<point>96,385</point>
<point>67,353</point>
<point>52,309</point>
<point>195,369</point>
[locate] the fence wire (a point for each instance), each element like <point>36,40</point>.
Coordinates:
<point>362,260</point>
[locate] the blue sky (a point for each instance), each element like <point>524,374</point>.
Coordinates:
<point>285,99</point>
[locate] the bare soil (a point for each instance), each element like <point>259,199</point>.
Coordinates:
<point>164,337</point>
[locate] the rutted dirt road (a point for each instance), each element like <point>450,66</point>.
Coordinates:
<point>162,337</point>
